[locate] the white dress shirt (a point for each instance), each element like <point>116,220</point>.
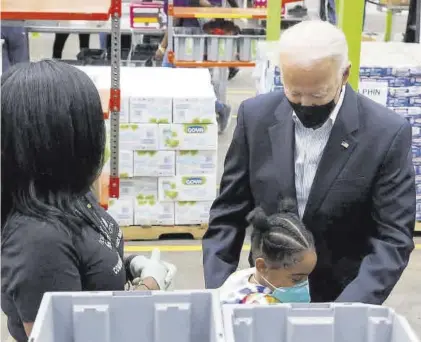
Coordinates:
<point>309,147</point>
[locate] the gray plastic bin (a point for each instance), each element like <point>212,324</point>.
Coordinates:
<point>315,323</point>
<point>189,44</point>
<point>247,43</point>
<point>181,316</point>
<point>221,48</point>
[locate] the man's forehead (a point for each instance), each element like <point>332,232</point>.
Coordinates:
<point>314,88</point>
<point>307,62</point>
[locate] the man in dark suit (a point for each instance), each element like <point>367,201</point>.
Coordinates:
<point>345,159</point>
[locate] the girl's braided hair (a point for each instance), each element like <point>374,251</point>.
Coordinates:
<point>279,238</point>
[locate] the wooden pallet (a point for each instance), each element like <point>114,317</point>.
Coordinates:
<point>132,233</point>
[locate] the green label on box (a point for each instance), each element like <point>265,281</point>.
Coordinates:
<point>253,49</point>
<point>221,48</point>
<point>189,46</point>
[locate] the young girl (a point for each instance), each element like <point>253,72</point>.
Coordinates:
<point>284,255</point>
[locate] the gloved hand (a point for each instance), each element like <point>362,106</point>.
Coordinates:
<point>163,272</point>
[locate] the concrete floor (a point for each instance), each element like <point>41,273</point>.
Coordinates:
<point>186,254</point>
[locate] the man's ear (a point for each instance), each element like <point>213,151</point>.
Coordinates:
<point>261,265</point>
<point>346,75</point>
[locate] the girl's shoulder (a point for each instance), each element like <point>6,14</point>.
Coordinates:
<point>240,277</point>
<point>236,287</point>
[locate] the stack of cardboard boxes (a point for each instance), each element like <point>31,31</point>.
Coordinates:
<point>167,147</point>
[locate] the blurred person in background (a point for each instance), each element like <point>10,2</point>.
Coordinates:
<point>15,47</point>
<point>54,234</point>
<point>60,40</point>
<point>327,11</point>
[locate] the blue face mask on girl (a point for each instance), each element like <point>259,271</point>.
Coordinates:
<point>299,293</point>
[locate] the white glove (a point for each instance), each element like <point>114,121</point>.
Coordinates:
<point>163,272</point>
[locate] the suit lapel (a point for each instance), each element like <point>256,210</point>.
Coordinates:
<point>339,148</point>
<point>283,146</point>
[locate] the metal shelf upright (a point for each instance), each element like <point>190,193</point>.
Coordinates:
<point>98,10</point>
<point>350,20</point>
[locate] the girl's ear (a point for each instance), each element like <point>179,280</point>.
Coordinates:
<point>261,265</point>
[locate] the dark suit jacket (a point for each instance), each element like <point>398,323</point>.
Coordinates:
<point>361,208</point>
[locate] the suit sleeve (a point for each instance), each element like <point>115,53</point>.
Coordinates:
<point>394,207</point>
<point>224,238</point>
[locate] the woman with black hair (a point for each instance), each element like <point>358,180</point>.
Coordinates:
<point>55,236</point>
<point>283,251</point>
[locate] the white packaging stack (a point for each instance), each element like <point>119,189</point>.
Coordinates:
<point>390,74</point>
<point>168,146</point>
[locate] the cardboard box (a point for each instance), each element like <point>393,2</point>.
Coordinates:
<point>416,132</point>
<point>194,103</point>
<point>125,164</point>
<point>411,91</point>
<point>416,141</point>
<point>141,187</point>
<point>196,162</point>
<point>411,113</point>
<point>135,137</point>
<point>151,109</point>
<point>190,110</point>
<point>122,210</point>
<point>395,81</point>
<point>416,152</point>
<point>188,136</point>
<point>192,212</point>
<point>150,213</point>
<point>403,102</point>
<point>390,71</point>
<point>124,110</point>
<point>385,59</point>
<point>154,163</point>
<point>187,188</point>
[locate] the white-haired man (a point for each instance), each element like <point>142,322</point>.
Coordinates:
<point>345,159</point>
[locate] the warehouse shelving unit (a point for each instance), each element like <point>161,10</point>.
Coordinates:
<point>93,10</point>
<point>273,25</point>
<point>272,15</point>
<point>208,13</point>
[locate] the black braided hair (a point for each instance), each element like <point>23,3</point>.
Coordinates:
<point>279,238</point>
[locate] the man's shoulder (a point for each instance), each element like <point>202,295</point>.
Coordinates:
<point>260,109</point>
<point>380,116</point>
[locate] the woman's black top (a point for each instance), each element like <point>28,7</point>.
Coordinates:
<point>39,257</point>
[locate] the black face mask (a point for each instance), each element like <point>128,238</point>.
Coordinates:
<point>313,116</point>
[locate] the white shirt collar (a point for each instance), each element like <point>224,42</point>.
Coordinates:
<point>335,112</point>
